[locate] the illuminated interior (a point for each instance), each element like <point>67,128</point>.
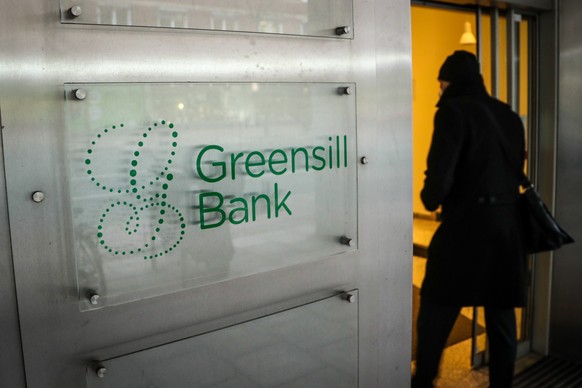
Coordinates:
<point>436,33</point>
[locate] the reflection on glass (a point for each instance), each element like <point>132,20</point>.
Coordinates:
<point>173,186</point>
<point>315,345</point>
<point>295,17</point>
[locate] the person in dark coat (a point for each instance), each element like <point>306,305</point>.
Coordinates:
<point>476,256</point>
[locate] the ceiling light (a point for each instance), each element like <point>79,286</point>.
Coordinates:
<point>468,37</point>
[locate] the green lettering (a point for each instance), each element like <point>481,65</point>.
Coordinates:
<point>233,159</point>
<point>337,146</point>
<point>318,157</point>
<point>283,160</point>
<point>330,148</point>
<point>244,209</point>
<point>345,150</point>
<point>255,200</point>
<point>248,164</point>
<point>215,209</point>
<point>282,204</point>
<point>222,165</point>
<point>294,152</point>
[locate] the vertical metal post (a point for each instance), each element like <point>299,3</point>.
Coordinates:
<point>510,55</point>
<point>513,59</point>
<point>476,359</point>
<point>474,347</point>
<point>495,52</point>
<point>517,62</point>
<point>478,29</point>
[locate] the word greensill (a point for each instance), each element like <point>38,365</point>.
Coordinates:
<point>256,164</point>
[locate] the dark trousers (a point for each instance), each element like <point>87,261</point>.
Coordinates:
<point>434,325</point>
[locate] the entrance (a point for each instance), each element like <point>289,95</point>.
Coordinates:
<point>503,40</point>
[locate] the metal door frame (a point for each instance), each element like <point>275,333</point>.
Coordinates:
<point>513,18</point>
<point>11,357</point>
<point>534,326</point>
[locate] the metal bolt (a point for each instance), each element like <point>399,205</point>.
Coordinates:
<point>80,94</point>
<point>344,90</point>
<point>349,297</point>
<point>75,11</point>
<point>364,160</point>
<point>101,372</point>
<point>343,30</point>
<point>94,299</point>
<point>347,241</point>
<point>38,196</point>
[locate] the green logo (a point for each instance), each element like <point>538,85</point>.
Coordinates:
<point>141,220</point>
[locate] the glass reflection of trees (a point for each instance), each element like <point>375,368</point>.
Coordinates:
<point>268,16</point>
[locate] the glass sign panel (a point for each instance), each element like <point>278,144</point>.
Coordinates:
<point>315,345</point>
<point>174,186</point>
<point>323,18</point>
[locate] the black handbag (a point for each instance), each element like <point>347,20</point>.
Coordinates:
<point>541,231</point>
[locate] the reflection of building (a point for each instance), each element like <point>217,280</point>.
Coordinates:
<point>287,16</point>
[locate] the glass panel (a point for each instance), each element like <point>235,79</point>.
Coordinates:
<point>487,66</point>
<point>315,345</point>
<point>173,186</point>
<point>436,34</point>
<point>523,75</point>
<point>293,17</point>
<point>524,101</point>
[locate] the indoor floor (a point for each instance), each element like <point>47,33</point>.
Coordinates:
<point>456,370</point>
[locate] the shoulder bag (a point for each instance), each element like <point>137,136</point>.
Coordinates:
<point>541,231</point>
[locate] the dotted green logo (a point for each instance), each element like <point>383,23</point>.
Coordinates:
<point>150,225</point>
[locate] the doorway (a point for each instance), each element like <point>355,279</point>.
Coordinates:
<point>504,43</point>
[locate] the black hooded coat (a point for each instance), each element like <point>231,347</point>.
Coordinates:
<point>476,257</point>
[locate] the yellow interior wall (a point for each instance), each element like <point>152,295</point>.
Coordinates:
<point>435,35</point>
<point>501,52</point>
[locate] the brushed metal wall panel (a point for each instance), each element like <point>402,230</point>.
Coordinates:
<point>12,370</point>
<point>566,312</point>
<point>313,345</point>
<point>40,55</point>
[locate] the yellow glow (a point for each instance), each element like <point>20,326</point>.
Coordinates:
<point>181,106</point>
<point>435,35</point>
<point>468,37</point>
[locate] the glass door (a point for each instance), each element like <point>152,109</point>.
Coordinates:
<point>437,31</point>
<point>506,47</point>
<point>504,41</point>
